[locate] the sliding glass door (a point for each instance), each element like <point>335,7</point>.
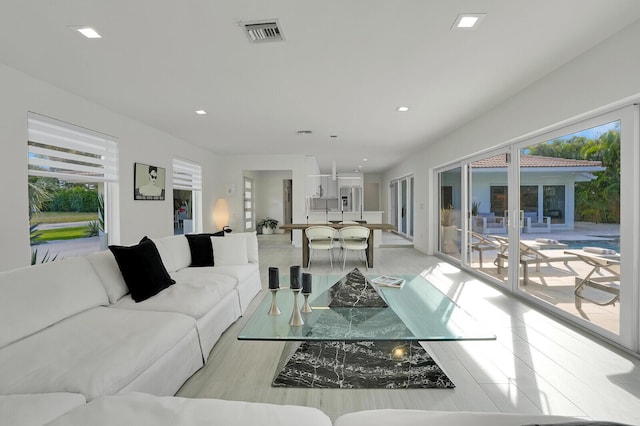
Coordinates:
<point>449,212</point>
<point>487,206</point>
<point>546,218</point>
<point>571,250</point>
<point>401,205</point>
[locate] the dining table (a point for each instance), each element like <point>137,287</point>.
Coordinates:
<point>305,241</point>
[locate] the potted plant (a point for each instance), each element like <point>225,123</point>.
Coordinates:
<point>475,206</point>
<point>267,225</point>
<point>448,231</point>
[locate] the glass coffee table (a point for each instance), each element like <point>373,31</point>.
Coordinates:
<point>361,335</point>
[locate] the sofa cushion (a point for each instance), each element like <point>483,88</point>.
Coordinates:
<point>385,417</point>
<point>195,293</point>
<point>174,251</point>
<point>239,272</point>
<point>142,269</point>
<point>252,245</point>
<point>231,250</point>
<point>107,269</point>
<point>38,296</point>
<point>97,352</point>
<point>143,409</point>
<point>37,409</point>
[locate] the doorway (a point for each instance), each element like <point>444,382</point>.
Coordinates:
<point>287,202</point>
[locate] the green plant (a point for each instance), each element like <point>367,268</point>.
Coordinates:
<point>100,213</point>
<point>268,222</point>
<point>93,228</point>
<point>475,206</point>
<point>34,234</point>
<point>446,216</point>
<point>46,258</point>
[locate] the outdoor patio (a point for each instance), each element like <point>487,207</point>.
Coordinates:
<point>555,282</point>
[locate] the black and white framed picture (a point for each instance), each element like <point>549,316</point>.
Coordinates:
<point>148,182</point>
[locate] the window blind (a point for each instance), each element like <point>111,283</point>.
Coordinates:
<point>68,152</point>
<point>187,175</point>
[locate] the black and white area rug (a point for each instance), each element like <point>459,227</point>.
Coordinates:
<point>361,365</point>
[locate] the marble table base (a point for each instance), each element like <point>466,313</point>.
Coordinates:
<point>359,365</point>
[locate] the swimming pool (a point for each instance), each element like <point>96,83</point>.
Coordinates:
<point>611,243</point>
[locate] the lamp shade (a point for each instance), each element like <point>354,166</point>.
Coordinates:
<point>221,213</point>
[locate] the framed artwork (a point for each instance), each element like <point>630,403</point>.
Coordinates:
<point>148,182</point>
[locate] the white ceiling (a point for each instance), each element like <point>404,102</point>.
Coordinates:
<point>343,69</point>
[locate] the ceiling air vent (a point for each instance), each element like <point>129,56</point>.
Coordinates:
<point>261,32</point>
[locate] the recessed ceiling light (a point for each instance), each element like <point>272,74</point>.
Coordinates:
<point>468,21</point>
<point>360,166</point>
<point>402,109</point>
<point>201,112</point>
<point>364,159</point>
<point>88,32</point>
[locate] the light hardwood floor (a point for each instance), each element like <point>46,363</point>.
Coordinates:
<point>536,365</point>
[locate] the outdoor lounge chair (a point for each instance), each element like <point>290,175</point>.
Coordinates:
<point>529,253</point>
<point>599,261</point>
<point>480,243</point>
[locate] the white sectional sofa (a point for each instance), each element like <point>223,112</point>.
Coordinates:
<point>149,410</point>
<point>77,350</point>
<point>71,325</point>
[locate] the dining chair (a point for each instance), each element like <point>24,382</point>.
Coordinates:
<point>354,238</point>
<point>320,238</point>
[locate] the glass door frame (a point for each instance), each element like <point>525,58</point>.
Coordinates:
<point>629,320</point>
<point>629,335</point>
<point>399,188</point>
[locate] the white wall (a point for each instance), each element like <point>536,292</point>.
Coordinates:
<point>607,74</point>
<point>136,142</point>
<point>269,194</point>
<point>233,168</point>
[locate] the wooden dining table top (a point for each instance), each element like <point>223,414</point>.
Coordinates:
<point>382,226</point>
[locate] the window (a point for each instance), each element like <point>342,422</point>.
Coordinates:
<point>187,197</point>
<point>249,215</point>
<point>72,171</point>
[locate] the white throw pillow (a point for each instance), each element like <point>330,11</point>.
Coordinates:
<point>229,250</point>
<point>252,245</point>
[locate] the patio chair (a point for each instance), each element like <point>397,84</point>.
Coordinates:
<point>480,243</point>
<point>531,254</point>
<point>598,261</point>
<point>488,222</point>
<point>533,224</point>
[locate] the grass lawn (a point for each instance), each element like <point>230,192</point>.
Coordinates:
<point>63,217</point>
<point>69,233</point>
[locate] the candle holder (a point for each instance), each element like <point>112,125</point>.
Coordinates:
<point>306,309</point>
<point>274,310</point>
<point>296,319</point>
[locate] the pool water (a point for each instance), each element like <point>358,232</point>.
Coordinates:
<point>612,243</point>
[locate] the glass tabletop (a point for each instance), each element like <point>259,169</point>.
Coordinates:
<point>417,311</point>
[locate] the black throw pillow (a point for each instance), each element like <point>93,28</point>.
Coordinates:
<point>201,248</point>
<point>142,269</point>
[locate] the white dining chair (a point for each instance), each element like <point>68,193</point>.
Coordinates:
<point>354,238</point>
<point>320,238</point>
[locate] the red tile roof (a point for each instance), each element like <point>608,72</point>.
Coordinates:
<point>499,161</point>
